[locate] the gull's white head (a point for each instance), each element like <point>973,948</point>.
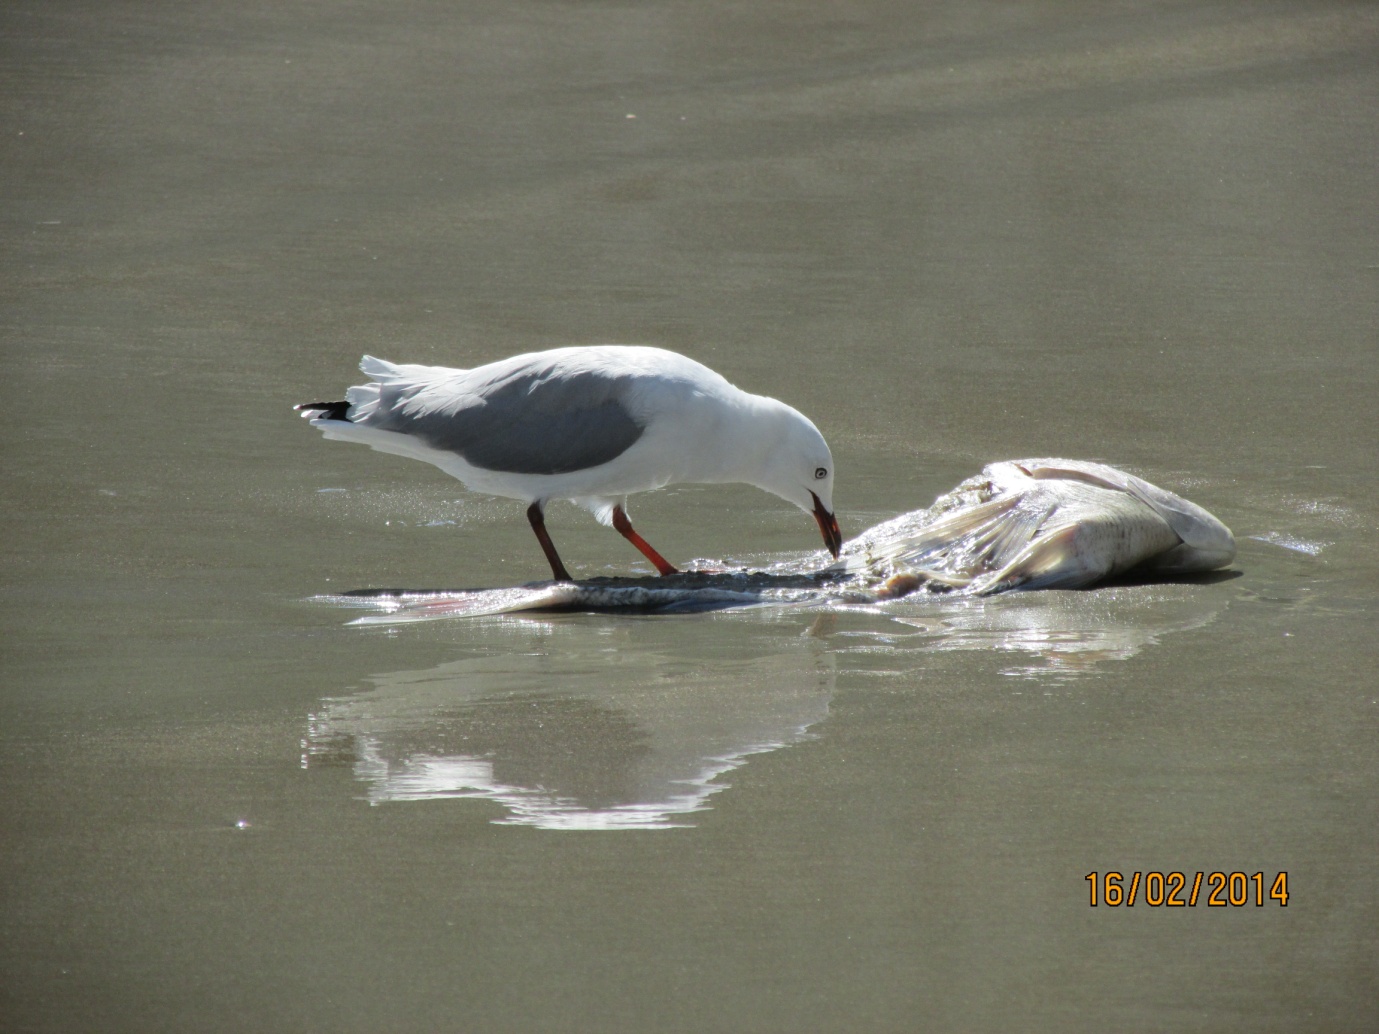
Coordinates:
<point>793,461</point>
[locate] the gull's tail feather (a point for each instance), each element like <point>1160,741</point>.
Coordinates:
<point>362,399</point>
<point>394,387</point>
<point>324,410</point>
<point>380,369</point>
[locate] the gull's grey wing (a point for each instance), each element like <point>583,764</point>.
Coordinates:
<point>536,417</point>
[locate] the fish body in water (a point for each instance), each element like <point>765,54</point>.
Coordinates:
<point>1042,524</point>
<point>1019,524</point>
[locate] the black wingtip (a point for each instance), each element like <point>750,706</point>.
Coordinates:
<point>325,410</point>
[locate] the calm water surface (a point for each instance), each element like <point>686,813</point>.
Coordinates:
<point>951,233</point>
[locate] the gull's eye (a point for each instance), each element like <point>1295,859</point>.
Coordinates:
<point>820,473</point>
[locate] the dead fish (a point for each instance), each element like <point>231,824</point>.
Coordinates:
<point>1041,524</point>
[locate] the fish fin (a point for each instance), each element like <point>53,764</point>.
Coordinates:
<point>968,543</point>
<point>1048,562</point>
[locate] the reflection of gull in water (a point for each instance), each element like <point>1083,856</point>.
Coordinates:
<point>580,725</point>
<point>1027,524</point>
<point>569,741</point>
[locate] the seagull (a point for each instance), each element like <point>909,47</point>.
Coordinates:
<point>592,424</point>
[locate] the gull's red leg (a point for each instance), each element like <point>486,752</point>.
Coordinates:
<point>624,527</point>
<point>538,525</point>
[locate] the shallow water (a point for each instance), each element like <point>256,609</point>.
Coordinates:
<point>950,234</point>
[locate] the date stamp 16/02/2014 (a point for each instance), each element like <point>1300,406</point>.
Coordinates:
<point>1180,890</point>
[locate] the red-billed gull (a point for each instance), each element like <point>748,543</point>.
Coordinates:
<point>591,424</point>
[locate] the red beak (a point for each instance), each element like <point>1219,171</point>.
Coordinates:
<point>828,526</point>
